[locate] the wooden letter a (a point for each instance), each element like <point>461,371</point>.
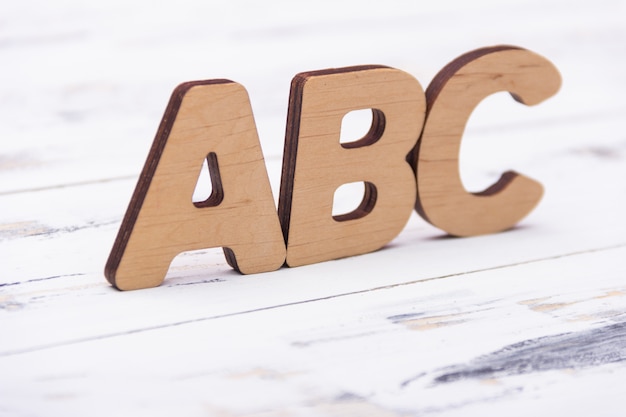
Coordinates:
<point>204,120</point>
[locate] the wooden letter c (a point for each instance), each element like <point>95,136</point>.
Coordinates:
<point>452,96</point>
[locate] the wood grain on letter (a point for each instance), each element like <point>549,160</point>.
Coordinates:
<point>452,96</point>
<point>204,120</point>
<point>315,163</point>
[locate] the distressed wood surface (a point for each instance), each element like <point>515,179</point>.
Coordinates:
<point>526,322</point>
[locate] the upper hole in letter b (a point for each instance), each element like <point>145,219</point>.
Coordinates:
<point>361,128</point>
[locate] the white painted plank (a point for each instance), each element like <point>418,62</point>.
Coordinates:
<point>388,349</point>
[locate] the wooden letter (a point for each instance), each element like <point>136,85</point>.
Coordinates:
<point>212,120</point>
<point>315,163</point>
<point>452,96</point>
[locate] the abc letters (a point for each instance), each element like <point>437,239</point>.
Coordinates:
<point>408,160</point>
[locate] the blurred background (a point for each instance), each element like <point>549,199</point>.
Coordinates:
<point>83,84</point>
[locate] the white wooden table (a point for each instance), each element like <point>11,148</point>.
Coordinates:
<point>527,322</point>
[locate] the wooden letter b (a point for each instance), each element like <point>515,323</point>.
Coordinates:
<point>315,163</point>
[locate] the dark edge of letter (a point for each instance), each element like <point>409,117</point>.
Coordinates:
<point>145,178</point>
<point>432,92</point>
<point>292,133</point>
